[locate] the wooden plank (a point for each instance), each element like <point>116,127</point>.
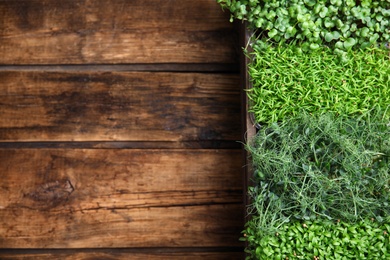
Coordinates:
<point>120,255</point>
<point>116,256</point>
<point>83,198</point>
<point>211,144</point>
<point>118,106</point>
<point>203,225</point>
<point>159,67</point>
<point>117,31</point>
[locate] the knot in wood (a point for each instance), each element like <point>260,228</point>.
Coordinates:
<point>52,193</point>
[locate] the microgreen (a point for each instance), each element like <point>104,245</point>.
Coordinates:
<point>285,81</point>
<point>344,24</point>
<point>320,88</point>
<point>330,167</point>
<point>319,239</point>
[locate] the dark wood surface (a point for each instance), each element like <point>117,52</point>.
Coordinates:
<point>249,127</point>
<point>81,198</point>
<point>125,254</point>
<point>118,106</point>
<point>115,31</point>
<point>119,130</point>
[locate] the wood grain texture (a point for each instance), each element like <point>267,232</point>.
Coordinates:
<point>82,198</point>
<point>144,67</point>
<point>118,106</point>
<point>125,256</point>
<point>116,31</point>
<point>119,255</point>
<point>201,144</point>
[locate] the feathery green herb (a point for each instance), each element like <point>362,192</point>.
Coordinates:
<point>324,166</point>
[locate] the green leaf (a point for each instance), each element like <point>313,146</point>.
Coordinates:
<point>305,46</point>
<point>339,45</point>
<point>374,38</point>
<point>317,8</point>
<point>243,9</point>
<point>345,28</point>
<point>304,25</point>
<point>324,12</point>
<point>293,10</point>
<point>310,2</point>
<point>307,33</point>
<point>379,17</point>
<point>259,22</point>
<point>290,32</point>
<point>333,9</point>
<point>338,3</point>
<point>350,3</point>
<point>301,18</point>
<point>270,15</point>
<point>268,251</point>
<point>353,27</point>
<point>328,22</point>
<point>269,25</point>
<point>364,32</point>
<point>272,33</point>
<point>336,35</point>
<point>347,34</point>
<point>329,37</point>
<point>318,22</point>
<point>314,46</point>
<point>339,23</point>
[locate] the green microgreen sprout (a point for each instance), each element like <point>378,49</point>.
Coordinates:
<point>324,166</point>
<point>340,24</point>
<point>286,81</point>
<point>321,239</point>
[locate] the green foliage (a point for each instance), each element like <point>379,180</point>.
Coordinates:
<point>310,167</point>
<point>341,23</point>
<point>321,239</point>
<point>321,89</point>
<point>286,81</point>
